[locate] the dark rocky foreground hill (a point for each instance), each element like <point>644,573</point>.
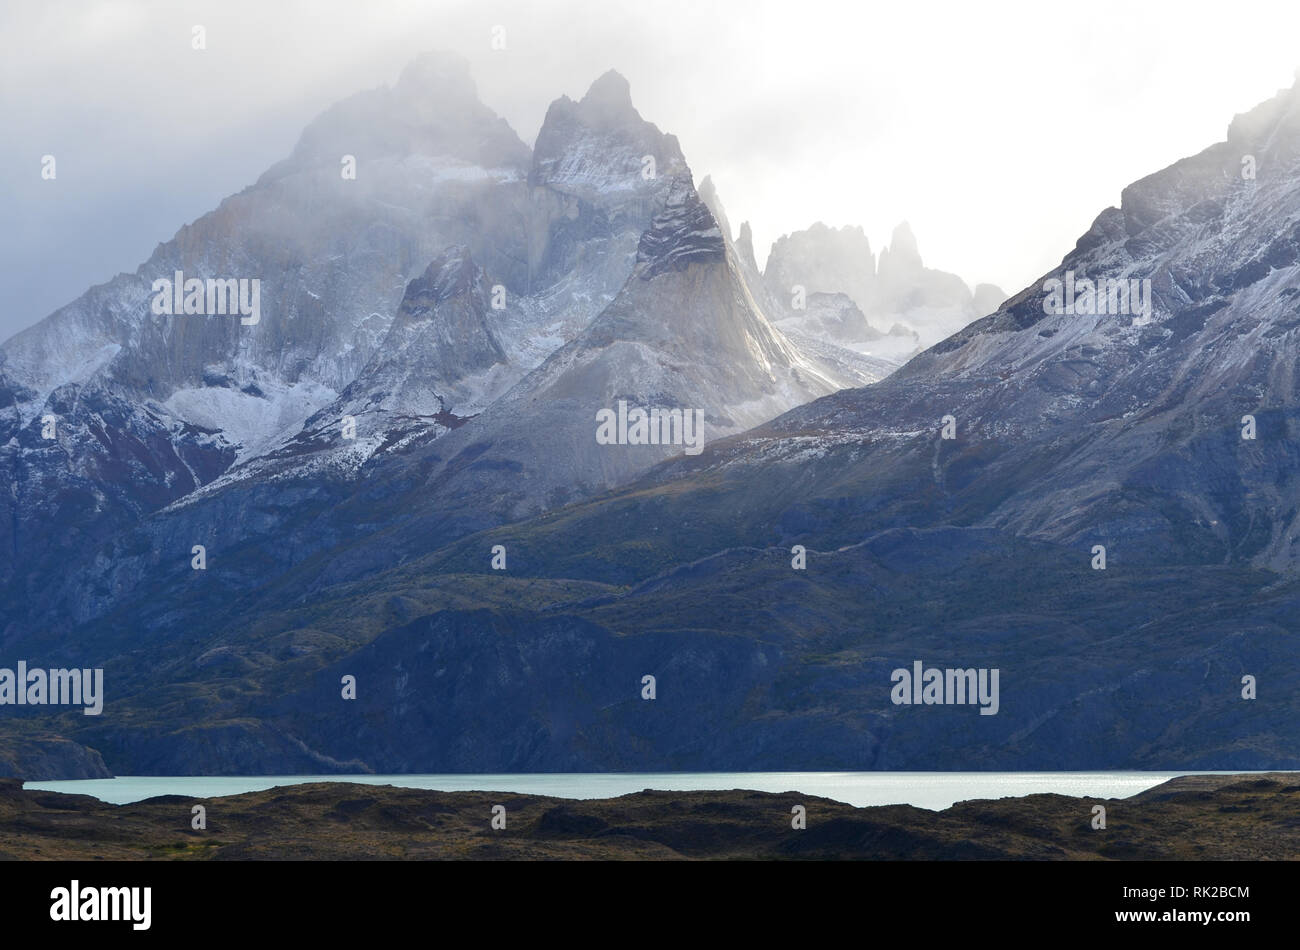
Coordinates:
<point>1196,817</point>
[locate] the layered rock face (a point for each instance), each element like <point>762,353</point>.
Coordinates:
<point>148,407</point>
<point>417,264</point>
<point>1140,398</point>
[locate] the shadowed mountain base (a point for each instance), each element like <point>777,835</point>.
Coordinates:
<point>1196,817</point>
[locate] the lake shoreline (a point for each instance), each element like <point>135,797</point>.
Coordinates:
<point>931,790</point>
<point>1192,817</point>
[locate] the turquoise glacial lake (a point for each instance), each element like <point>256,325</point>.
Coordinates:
<point>933,790</point>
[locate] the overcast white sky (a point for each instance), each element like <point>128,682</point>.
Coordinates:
<point>998,129</point>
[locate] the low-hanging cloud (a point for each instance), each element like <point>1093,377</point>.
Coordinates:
<point>999,130</point>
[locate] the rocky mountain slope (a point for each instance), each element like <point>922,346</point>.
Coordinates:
<point>949,513</point>
<point>1069,430</point>
<point>147,407</point>
<point>395,304</point>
